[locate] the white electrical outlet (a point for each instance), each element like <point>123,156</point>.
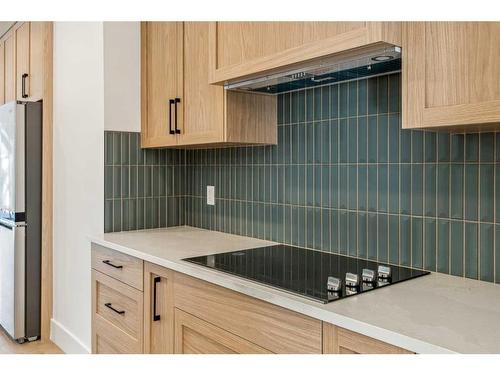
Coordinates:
<point>211,195</point>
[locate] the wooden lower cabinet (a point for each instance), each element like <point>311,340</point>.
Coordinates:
<point>196,336</point>
<point>337,340</point>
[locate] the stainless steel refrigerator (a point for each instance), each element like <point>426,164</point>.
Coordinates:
<point>20,218</point>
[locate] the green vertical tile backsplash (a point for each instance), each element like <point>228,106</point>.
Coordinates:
<point>344,178</point>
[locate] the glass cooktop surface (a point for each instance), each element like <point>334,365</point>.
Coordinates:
<point>306,272</point>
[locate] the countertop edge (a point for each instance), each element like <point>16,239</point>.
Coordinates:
<point>279,298</point>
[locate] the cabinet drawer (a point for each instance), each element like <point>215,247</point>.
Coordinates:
<point>354,343</point>
<point>118,265</point>
<point>117,316</point>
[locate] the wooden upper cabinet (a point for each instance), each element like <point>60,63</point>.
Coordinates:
<point>162,82</point>
<point>29,61</point>
<point>243,49</point>
<point>450,75</point>
<point>175,57</point>
<point>10,67</point>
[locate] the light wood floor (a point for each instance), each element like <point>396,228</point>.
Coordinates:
<point>7,346</point>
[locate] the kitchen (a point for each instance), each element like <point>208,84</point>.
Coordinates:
<point>315,192</point>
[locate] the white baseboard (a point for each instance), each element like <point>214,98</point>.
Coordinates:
<point>65,340</point>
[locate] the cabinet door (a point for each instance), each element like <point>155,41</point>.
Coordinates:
<point>36,61</point>
<point>203,103</point>
<point>450,72</point>
<point>23,77</point>
<point>10,67</point>
<point>196,336</point>
<point>2,73</point>
<point>162,81</point>
<point>158,310</point>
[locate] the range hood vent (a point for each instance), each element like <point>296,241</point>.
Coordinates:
<point>348,66</point>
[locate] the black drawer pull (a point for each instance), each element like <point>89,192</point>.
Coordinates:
<point>23,85</point>
<point>109,306</point>
<point>170,102</point>
<point>177,100</point>
<point>108,262</point>
<point>156,281</point>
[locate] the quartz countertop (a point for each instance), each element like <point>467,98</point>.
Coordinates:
<point>432,314</point>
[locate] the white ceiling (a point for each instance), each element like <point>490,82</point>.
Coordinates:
<point>4,26</point>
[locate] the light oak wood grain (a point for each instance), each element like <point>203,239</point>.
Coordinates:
<point>268,326</point>
<point>2,73</point>
<point>158,335</point>
<point>10,67</point>
<point>131,271</point>
<point>196,336</point>
<point>122,332</point>
<point>23,59</point>
<point>8,346</point>
<point>36,57</point>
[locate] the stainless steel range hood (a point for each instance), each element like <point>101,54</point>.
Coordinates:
<point>347,66</point>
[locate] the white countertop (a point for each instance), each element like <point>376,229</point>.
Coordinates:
<point>431,314</point>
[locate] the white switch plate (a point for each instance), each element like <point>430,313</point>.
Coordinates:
<point>211,195</point>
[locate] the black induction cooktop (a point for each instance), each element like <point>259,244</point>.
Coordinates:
<point>317,275</point>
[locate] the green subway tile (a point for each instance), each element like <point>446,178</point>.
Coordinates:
<point>141,207</point>
<point>334,231</point>
<point>393,188</point>
<point>317,228</point>
<point>117,182</point>
<point>417,184</point>
<point>487,203</point>
<point>334,186</point>
<point>108,182</point>
<point>486,255</point>
<point>497,146</point>
<point>343,186</point>
<point>148,179</point>
<point>362,235</point>
<point>457,248</point>
<point>457,147</point>
<point>295,141</point>
<point>383,240</point>
<point>353,234</point>
<point>405,145</point>
<point>497,193</point>
<point>405,189</point>
<point>277,223</point>
<point>353,140</point>
<point>125,183</point>
<point>383,94</point>
<point>156,180</point>
<point>117,148</point>
<point>343,141</point>
<point>362,187</point>
<point>352,102</point>
<point>325,142</point>
<point>471,265</point>
<point>394,93</point>
<point>394,239</point>
<point>362,140</point>
<point>443,246</point>
<point>126,225</point>
<point>471,191</point>
<point>497,254</point>
<point>472,147</point>
<point>134,148</point>
<point>286,108</point>
<point>334,101</point>
<point>443,147</point>
<point>456,191</point>
<point>372,188</point>
<point>372,236</point>
<point>343,98</point>
<point>163,212</point>
<point>317,104</point>
<point>325,231</point>
<point>443,188</point>
<point>430,148</point>
<point>108,148</point>
<point>430,244</point>
<point>108,216</point>
<point>372,139</point>
<point>352,176</point>
<point>487,147</point>
<point>151,156</point>
<point>383,190</point>
<point>125,149</point>
<point>117,215</point>
<point>362,97</point>
<point>417,242</point>
<point>334,141</point>
<point>430,189</point>
<point>417,146</point>
<point>383,138</point>
<point>325,102</point>
<point>394,130</point>
<point>325,186</point>
<point>343,235</point>
<point>372,96</point>
<point>405,241</point>
<point>301,144</point>
<point>280,108</point>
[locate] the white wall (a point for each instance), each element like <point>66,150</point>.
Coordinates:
<point>96,87</point>
<point>78,175</point>
<point>122,78</point>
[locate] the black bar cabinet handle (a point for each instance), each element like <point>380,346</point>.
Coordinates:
<point>177,130</point>
<point>170,102</point>
<point>108,262</point>
<point>156,281</point>
<point>23,85</point>
<point>109,306</point>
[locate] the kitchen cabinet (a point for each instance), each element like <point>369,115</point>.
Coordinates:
<point>158,309</point>
<point>10,67</point>
<point>180,108</point>
<point>449,75</point>
<point>337,340</point>
<point>242,49</point>
<point>195,336</point>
